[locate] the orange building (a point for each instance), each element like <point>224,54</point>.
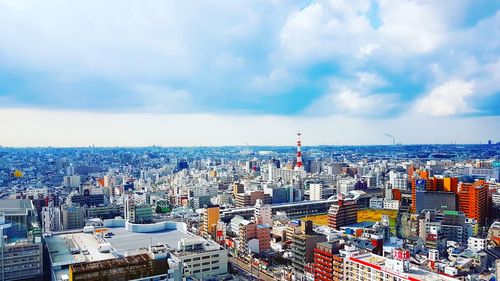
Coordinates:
<point>473,200</point>
<point>424,174</point>
<point>210,218</point>
<point>450,184</point>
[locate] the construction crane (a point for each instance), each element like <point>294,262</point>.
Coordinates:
<point>393,138</point>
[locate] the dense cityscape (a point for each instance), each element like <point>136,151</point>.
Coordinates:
<point>315,213</point>
<point>305,140</point>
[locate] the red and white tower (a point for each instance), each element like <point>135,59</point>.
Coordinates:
<point>299,165</point>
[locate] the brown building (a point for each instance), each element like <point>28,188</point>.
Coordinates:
<point>250,198</point>
<point>342,213</point>
<point>238,188</point>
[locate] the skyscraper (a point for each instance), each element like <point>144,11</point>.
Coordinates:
<point>473,200</point>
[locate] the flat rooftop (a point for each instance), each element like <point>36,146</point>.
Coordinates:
<point>15,206</point>
<point>414,272</point>
<point>124,241</point>
<point>359,225</point>
<point>60,248</point>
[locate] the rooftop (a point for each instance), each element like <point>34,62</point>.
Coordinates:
<point>124,241</point>
<point>69,248</point>
<point>415,273</point>
<point>15,206</point>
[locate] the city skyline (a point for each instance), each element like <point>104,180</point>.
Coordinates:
<point>182,74</point>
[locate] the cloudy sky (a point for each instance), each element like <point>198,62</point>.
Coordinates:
<point>248,72</point>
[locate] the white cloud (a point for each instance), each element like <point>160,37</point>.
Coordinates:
<point>447,99</point>
<point>50,128</point>
<point>157,98</point>
<point>277,80</point>
<point>352,103</point>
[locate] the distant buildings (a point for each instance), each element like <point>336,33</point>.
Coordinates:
<point>72,181</point>
<point>138,213</point>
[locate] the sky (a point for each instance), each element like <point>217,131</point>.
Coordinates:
<point>183,73</point>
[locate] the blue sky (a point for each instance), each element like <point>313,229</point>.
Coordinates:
<point>301,62</point>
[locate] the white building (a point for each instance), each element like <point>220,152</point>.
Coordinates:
<point>376,203</point>
<point>285,175</point>
<point>391,204</point>
<point>315,191</point>
<point>477,244</point>
<point>35,192</point>
<point>263,213</point>
<point>345,185</point>
<point>72,181</point>
<point>51,219</point>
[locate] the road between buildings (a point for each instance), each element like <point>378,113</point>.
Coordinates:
<point>253,272</point>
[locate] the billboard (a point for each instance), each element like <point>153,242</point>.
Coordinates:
<point>420,184</point>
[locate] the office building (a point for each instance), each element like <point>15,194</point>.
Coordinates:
<point>21,244</point>
<point>51,219</point>
<point>19,213</point>
<point>263,213</point>
<point>209,219</point>
<point>303,244</point>
<point>315,191</point>
<point>436,200</point>
<point>328,264</point>
<point>250,198</point>
<point>104,212</point>
<point>73,217</point>
<point>138,213</point>
<point>473,200</point>
<point>342,213</point>
<point>72,181</point>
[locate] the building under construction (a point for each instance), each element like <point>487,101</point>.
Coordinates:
<point>127,268</point>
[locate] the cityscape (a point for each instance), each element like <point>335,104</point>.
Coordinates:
<point>323,140</point>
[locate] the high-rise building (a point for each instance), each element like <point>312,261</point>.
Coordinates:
<point>73,217</point>
<point>328,265</point>
<point>51,219</point>
<point>450,184</point>
<point>238,188</point>
<point>303,244</point>
<point>209,220</point>
<point>253,238</point>
<point>342,213</point>
<point>473,200</point>
<point>263,213</point>
<point>246,232</point>
<point>250,198</point>
<point>315,191</point>
<point>72,181</point>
